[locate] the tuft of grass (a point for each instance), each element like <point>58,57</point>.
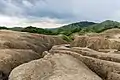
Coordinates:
<point>66,38</point>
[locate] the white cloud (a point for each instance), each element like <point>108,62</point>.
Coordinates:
<point>10,21</point>
<point>27,3</point>
<point>24,22</point>
<point>54,13</point>
<point>44,22</point>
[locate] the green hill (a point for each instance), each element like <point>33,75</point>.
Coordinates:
<point>78,25</point>
<point>100,27</point>
<point>86,27</point>
<point>67,32</point>
<point>37,30</point>
<point>16,28</point>
<point>72,28</point>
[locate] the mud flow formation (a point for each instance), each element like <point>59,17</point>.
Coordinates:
<point>25,56</point>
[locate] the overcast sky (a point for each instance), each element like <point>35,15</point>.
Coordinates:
<point>55,13</point>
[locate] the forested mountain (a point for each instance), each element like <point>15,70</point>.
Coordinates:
<point>85,27</point>
<point>100,27</point>
<point>78,25</point>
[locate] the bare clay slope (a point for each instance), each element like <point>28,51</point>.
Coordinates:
<point>83,59</point>
<point>54,67</point>
<point>95,43</point>
<point>36,42</point>
<point>106,65</point>
<point>17,48</point>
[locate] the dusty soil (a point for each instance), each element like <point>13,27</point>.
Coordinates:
<point>17,48</point>
<point>25,56</point>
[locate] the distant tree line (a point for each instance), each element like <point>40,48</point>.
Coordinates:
<point>67,30</point>
<point>37,30</point>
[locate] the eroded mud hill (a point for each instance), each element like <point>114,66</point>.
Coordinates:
<point>54,67</point>
<point>17,48</point>
<point>95,43</point>
<point>77,61</point>
<point>25,56</point>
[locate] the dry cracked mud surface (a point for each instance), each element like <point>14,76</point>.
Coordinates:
<point>25,56</point>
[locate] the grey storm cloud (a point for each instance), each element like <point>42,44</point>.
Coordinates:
<point>66,10</point>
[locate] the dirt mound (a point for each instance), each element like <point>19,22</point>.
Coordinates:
<point>36,42</point>
<point>86,58</point>
<point>102,68</point>
<point>95,43</point>
<point>106,65</point>
<point>54,67</point>
<point>11,58</point>
<point>89,52</point>
<point>110,33</point>
<point>61,59</point>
